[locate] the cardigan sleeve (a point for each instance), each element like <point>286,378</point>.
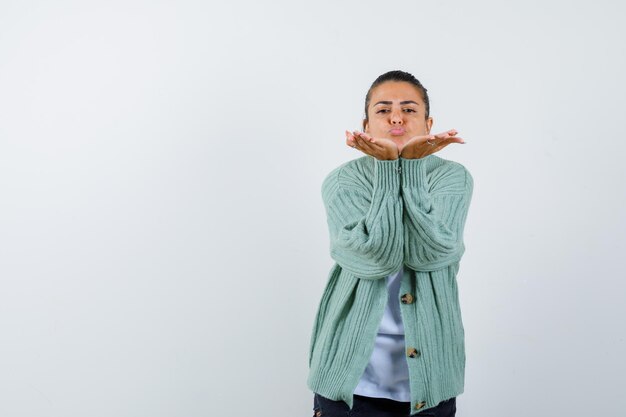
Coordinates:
<point>365,220</point>
<point>435,210</point>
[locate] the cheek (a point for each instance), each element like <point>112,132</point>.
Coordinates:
<point>421,126</point>
<point>374,127</point>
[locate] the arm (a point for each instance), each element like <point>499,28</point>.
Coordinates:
<point>365,223</point>
<point>434,214</point>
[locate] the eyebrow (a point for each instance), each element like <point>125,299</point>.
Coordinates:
<point>402,102</point>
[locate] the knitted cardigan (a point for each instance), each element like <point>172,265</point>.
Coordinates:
<point>383,215</point>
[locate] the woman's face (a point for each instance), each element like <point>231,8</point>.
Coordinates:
<point>396,111</point>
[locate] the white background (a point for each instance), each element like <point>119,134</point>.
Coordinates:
<point>163,244</point>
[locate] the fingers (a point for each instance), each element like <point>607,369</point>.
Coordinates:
<point>378,148</point>
<point>350,140</point>
<point>447,141</point>
<point>358,139</point>
<point>353,139</point>
<point>446,134</point>
<point>363,136</point>
<point>450,134</point>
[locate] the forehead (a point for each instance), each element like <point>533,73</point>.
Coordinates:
<point>395,91</point>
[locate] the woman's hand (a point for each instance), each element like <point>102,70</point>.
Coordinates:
<point>421,146</point>
<point>383,149</point>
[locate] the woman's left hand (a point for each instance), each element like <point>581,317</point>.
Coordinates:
<point>421,146</point>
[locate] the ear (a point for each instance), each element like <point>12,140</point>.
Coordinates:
<point>365,125</point>
<point>429,125</point>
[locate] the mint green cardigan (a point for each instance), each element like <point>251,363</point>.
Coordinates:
<point>384,215</point>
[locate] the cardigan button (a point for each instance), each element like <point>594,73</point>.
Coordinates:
<point>407,299</point>
<point>419,406</point>
<point>413,353</point>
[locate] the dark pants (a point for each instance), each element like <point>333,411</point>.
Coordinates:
<point>377,407</point>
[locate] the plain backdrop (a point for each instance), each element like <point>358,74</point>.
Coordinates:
<point>163,243</point>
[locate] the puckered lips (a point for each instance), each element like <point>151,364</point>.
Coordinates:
<point>397,131</point>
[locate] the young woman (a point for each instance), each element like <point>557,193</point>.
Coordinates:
<point>388,339</point>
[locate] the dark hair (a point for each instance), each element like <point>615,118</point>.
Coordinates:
<point>398,76</point>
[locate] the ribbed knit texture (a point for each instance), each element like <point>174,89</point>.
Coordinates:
<point>381,215</point>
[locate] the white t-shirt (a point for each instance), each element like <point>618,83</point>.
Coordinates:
<point>387,373</point>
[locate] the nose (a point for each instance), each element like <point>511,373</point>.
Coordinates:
<point>396,118</point>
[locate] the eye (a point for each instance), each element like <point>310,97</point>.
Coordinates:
<point>409,110</point>
<point>382,111</point>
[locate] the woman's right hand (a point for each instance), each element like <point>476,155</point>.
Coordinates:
<point>383,149</point>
